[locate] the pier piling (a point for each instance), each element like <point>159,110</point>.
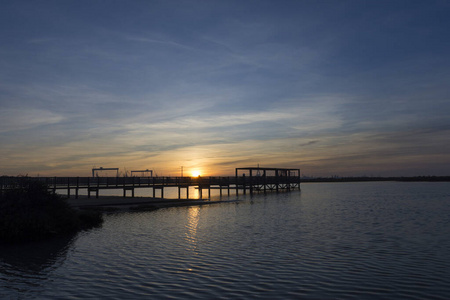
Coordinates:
<point>251,179</point>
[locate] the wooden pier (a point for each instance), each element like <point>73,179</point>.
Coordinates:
<point>245,180</point>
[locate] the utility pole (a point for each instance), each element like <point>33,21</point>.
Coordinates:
<point>181,171</point>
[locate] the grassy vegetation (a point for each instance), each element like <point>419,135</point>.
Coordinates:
<point>33,213</point>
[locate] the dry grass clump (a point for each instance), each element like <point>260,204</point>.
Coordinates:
<point>33,213</point>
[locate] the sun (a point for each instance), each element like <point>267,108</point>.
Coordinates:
<point>196,173</point>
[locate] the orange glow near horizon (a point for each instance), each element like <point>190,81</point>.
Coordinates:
<point>196,173</point>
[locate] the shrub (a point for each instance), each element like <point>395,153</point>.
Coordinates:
<point>33,213</point>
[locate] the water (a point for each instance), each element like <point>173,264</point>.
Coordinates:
<point>385,240</point>
<point>169,192</point>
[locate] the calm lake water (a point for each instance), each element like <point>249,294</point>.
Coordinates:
<point>385,240</point>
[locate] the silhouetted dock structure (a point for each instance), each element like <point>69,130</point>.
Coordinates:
<point>245,180</point>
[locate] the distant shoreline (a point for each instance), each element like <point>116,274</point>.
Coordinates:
<point>364,179</point>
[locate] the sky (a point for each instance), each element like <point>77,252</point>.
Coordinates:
<point>346,88</point>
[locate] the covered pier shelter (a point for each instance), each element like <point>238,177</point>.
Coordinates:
<point>263,179</point>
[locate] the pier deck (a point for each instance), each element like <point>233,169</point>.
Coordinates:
<point>246,179</point>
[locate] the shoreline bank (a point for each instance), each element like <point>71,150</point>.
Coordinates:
<point>119,203</point>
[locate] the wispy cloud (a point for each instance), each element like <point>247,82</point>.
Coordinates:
<point>19,119</point>
<point>164,42</point>
<point>190,123</point>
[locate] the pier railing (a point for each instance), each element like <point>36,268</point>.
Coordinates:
<point>95,184</point>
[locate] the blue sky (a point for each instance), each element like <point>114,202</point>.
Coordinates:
<point>331,87</point>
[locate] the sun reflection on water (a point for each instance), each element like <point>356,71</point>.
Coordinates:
<point>191,227</point>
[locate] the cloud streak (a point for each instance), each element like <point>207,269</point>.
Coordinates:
<point>20,119</point>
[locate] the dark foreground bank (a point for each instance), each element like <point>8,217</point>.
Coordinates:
<point>32,213</point>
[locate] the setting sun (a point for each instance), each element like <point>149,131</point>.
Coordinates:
<point>196,173</point>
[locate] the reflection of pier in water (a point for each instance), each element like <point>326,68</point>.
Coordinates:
<point>246,180</point>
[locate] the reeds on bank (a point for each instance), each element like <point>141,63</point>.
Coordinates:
<point>33,213</point>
